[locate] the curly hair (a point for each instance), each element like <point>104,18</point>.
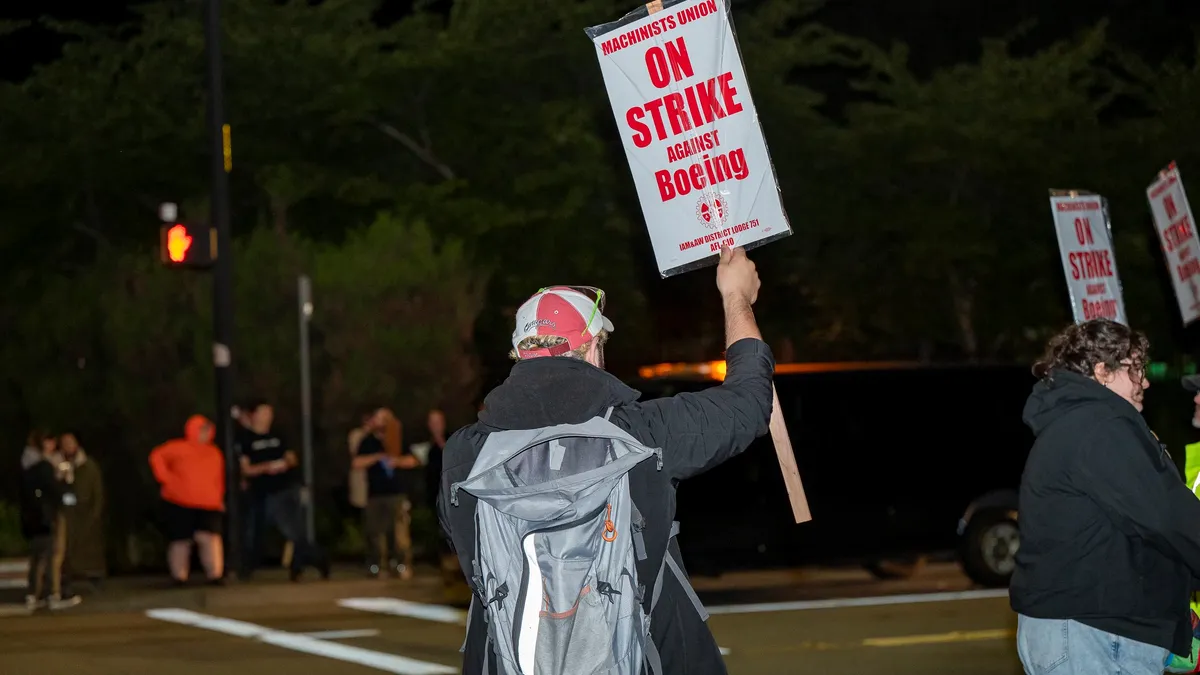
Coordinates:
<point>540,341</point>
<point>1079,347</point>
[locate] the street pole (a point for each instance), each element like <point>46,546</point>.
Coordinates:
<point>304,296</point>
<point>219,160</point>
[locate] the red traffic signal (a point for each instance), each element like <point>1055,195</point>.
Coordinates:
<point>188,245</point>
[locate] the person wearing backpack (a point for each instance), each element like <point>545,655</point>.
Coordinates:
<point>559,501</point>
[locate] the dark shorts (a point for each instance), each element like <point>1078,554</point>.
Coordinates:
<point>182,523</point>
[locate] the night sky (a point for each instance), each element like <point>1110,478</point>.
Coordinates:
<point>938,32</point>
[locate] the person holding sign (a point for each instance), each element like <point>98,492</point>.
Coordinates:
<point>572,610</point>
<point>1110,534</point>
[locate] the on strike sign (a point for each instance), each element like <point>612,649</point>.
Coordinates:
<point>1085,241</point>
<point>1177,232</point>
<point>691,134</point>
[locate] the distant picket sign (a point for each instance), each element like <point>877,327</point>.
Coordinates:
<point>1177,233</point>
<point>1085,241</point>
<point>699,161</point>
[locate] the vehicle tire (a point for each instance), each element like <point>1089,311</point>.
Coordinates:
<point>988,548</point>
<point>896,568</point>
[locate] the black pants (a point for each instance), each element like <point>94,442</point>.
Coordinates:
<point>285,512</point>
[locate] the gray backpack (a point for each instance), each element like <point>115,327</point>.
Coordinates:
<point>557,536</point>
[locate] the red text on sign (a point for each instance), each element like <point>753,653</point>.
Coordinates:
<point>709,171</point>
<point>693,146</point>
<point>1083,231</point>
<point>652,29</point>
<point>1090,264</point>
<point>671,62</point>
<point>696,105</point>
<point>1102,309</point>
<point>1177,234</point>
<point>713,239</point>
<point>1188,269</point>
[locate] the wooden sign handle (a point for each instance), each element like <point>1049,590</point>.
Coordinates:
<point>787,461</point>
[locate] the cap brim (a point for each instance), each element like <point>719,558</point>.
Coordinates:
<point>1191,383</point>
<point>608,325</point>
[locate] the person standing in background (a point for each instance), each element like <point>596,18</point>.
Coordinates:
<point>191,471</point>
<point>269,467</point>
<point>388,515</point>
<point>436,426</point>
<point>43,491</point>
<point>86,557</point>
<point>356,483</point>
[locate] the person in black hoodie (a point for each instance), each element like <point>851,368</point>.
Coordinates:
<point>559,379</point>
<point>1110,535</point>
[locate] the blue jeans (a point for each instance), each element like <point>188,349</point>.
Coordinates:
<point>1065,647</point>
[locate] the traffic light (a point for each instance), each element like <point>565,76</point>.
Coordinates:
<point>188,245</point>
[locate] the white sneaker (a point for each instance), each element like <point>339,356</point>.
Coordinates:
<point>31,602</point>
<point>64,603</point>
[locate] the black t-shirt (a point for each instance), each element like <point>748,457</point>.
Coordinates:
<point>261,449</point>
<point>380,479</point>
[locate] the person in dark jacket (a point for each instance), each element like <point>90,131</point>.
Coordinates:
<point>559,379</point>
<point>43,522</point>
<point>1110,535</point>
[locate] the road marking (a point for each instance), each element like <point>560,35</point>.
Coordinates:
<point>390,663</point>
<point>415,610</point>
<point>724,651</point>
<point>837,603</point>
<point>342,634</point>
<point>940,638</point>
<point>14,566</point>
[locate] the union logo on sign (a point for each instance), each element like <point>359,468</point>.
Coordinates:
<point>712,210</point>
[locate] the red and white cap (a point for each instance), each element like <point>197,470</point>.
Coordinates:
<point>561,311</point>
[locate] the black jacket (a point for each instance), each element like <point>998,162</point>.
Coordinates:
<point>696,431</point>
<point>41,498</point>
<point>1110,535</point>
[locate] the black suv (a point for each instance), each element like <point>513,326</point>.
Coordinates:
<point>899,461</point>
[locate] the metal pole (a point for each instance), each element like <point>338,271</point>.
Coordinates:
<point>222,277</point>
<point>306,308</point>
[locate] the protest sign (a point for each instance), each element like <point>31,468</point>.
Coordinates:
<point>679,94</point>
<point>699,161</point>
<point>1177,232</point>
<point>1085,242</point>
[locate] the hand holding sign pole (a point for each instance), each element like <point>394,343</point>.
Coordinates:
<point>699,161</point>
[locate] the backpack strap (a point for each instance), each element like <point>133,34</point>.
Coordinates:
<point>653,659</point>
<point>669,562</point>
<point>608,412</point>
<point>638,524</point>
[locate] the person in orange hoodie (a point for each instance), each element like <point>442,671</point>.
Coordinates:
<point>191,471</point>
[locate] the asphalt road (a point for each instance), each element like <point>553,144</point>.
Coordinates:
<point>928,633</point>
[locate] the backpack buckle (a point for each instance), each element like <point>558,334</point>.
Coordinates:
<point>605,589</point>
<point>501,594</point>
